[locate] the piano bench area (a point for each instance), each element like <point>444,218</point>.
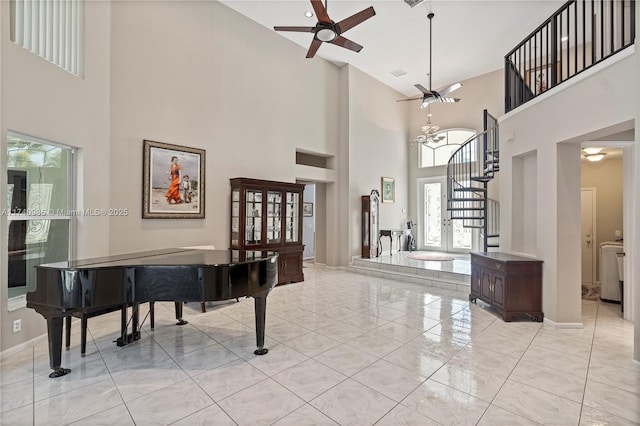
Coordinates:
<point>124,323</point>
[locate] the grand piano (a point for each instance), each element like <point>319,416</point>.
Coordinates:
<point>179,275</point>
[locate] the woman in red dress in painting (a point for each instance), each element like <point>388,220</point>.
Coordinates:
<point>173,194</point>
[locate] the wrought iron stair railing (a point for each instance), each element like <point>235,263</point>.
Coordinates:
<point>577,36</point>
<point>469,170</point>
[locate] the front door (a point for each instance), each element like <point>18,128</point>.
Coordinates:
<point>437,231</point>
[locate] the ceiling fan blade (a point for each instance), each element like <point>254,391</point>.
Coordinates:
<point>353,20</point>
<point>321,12</point>
<point>347,44</point>
<point>448,100</point>
<point>296,29</point>
<point>449,89</point>
<point>421,88</point>
<point>315,44</point>
<point>410,99</point>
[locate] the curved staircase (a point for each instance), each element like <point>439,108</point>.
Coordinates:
<point>469,171</point>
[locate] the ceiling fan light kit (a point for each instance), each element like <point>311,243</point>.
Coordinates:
<point>328,31</point>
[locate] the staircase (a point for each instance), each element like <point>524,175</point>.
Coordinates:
<point>469,171</point>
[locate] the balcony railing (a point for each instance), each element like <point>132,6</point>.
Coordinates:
<point>576,37</point>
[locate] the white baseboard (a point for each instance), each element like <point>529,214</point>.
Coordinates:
<point>563,325</point>
<point>22,346</point>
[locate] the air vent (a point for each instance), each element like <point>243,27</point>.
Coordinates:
<point>413,3</point>
<point>398,73</point>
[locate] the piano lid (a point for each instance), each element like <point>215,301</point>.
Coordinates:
<point>166,257</point>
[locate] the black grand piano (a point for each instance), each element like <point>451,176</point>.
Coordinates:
<point>180,275</point>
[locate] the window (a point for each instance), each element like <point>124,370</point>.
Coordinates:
<point>438,154</point>
<point>52,29</point>
<point>39,202</point>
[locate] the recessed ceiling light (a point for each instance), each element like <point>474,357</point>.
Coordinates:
<point>308,14</point>
<point>564,38</point>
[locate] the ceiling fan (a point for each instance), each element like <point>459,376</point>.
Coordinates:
<point>328,31</point>
<point>432,96</point>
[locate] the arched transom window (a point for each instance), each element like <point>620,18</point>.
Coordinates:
<point>438,154</point>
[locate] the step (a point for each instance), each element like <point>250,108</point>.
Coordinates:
<point>429,277</point>
<point>469,189</point>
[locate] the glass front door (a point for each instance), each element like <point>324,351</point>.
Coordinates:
<point>437,231</point>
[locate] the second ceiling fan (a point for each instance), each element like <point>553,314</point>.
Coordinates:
<point>431,96</point>
<point>328,31</point>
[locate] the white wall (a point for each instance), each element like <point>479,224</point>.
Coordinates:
<point>553,126</point>
<point>42,100</point>
<point>199,74</point>
<point>377,148</point>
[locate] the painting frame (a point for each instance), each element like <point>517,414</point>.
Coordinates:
<point>161,179</point>
<point>388,193</point>
<point>307,209</point>
<point>542,73</point>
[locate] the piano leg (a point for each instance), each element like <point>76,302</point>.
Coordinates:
<point>54,329</point>
<point>152,314</point>
<point>67,322</point>
<point>123,339</point>
<point>179,314</point>
<point>261,315</point>
<point>83,336</point>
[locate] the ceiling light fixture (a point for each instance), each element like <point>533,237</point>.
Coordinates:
<point>595,157</point>
<point>308,14</point>
<point>592,150</point>
<point>564,38</point>
<point>430,132</point>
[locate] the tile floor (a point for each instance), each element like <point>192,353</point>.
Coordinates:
<point>345,349</point>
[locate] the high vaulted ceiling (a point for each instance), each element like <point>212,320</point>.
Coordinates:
<point>470,37</point>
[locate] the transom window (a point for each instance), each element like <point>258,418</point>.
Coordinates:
<point>52,29</point>
<point>438,154</point>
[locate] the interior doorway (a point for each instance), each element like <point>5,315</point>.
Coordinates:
<point>588,243</point>
<point>308,222</point>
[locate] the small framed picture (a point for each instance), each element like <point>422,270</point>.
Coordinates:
<point>388,190</point>
<point>307,209</point>
<point>172,182</point>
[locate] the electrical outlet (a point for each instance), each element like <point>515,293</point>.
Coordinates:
<point>17,325</point>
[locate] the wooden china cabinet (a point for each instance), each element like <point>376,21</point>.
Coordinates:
<point>267,215</point>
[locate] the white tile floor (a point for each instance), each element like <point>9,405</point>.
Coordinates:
<point>345,349</point>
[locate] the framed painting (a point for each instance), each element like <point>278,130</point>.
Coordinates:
<point>388,190</point>
<point>539,79</point>
<point>173,181</point>
<point>307,209</point>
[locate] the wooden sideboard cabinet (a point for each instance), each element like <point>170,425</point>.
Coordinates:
<point>267,215</point>
<point>511,284</point>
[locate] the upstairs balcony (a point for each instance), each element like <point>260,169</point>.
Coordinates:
<point>576,37</point>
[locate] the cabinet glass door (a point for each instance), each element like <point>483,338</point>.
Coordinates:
<point>291,217</point>
<point>253,210</point>
<point>235,217</point>
<point>274,206</point>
